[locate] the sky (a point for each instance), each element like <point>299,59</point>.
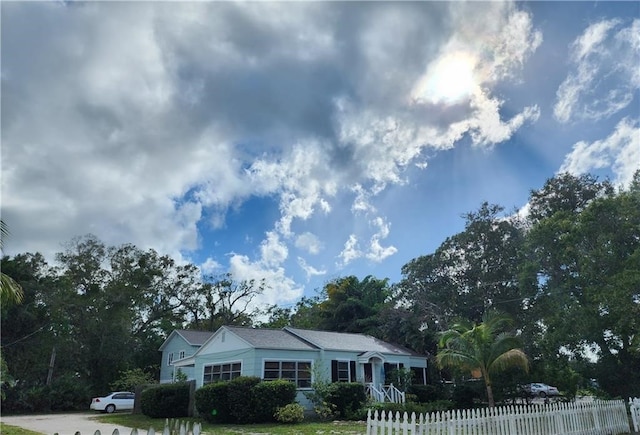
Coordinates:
<point>300,142</point>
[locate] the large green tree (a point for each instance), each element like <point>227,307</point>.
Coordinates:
<point>584,258</point>
<point>354,305</point>
<point>471,272</point>
<point>483,350</point>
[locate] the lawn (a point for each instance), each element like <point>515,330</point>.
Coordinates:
<point>305,428</point>
<point>6,429</point>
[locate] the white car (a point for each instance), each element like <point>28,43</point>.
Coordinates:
<point>538,389</point>
<point>118,401</point>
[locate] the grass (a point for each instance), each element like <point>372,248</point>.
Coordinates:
<point>6,429</point>
<point>305,428</point>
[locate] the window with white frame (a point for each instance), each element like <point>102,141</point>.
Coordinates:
<point>170,358</point>
<point>181,354</point>
<point>343,371</point>
<point>221,372</point>
<point>298,372</point>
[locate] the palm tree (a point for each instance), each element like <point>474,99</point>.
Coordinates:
<point>483,349</point>
<point>10,291</point>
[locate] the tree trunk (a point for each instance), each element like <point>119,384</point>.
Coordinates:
<point>492,404</point>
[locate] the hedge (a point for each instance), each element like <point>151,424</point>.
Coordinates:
<point>243,400</point>
<point>212,403</point>
<point>165,401</point>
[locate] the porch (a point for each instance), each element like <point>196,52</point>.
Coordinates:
<point>384,393</point>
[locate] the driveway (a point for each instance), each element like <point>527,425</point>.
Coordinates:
<point>65,424</point>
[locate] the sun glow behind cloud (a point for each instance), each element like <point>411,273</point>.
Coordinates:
<point>450,79</point>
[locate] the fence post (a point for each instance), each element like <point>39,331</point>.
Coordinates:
<point>634,406</point>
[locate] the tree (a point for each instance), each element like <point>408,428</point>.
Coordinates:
<point>583,264</point>
<point>471,272</point>
<point>224,301</point>
<point>353,305</point>
<point>483,349</point>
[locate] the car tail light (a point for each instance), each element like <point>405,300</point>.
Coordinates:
<point>96,400</point>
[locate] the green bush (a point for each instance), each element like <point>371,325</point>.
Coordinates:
<point>212,403</point>
<point>464,396</point>
<point>166,401</point>
<point>291,413</point>
<point>410,407</point>
<point>427,393</point>
<point>242,406</point>
<point>69,393</point>
<point>347,399</point>
<point>243,400</point>
<point>269,396</point>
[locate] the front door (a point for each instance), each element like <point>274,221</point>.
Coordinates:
<point>368,373</point>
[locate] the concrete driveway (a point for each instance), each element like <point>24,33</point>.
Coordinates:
<point>65,424</point>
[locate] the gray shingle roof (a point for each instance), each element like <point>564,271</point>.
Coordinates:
<point>348,342</point>
<point>270,338</point>
<point>195,338</point>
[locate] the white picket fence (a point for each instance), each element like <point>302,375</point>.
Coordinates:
<point>634,406</point>
<point>597,417</point>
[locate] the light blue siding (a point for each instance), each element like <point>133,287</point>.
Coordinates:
<point>174,347</point>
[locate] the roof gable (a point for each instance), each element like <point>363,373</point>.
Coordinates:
<point>191,337</point>
<point>270,338</point>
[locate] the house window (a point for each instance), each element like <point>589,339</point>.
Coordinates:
<point>391,372</point>
<point>170,358</point>
<point>221,372</point>
<point>181,354</point>
<point>298,372</point>
<point>343,371</point>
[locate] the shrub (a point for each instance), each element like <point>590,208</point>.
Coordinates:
<point>427,393</point>
<point>165,401</point>
<point>240,399</point>
<point>418,408</point>
<point>347,398</point>
<point>68,393</point>
<point>464,395</point>
<point>212,403</point>
<point>291,413</point>
<point>269,396</point>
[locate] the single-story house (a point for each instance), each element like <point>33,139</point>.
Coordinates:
<point>299,355</point>
<point>180,344</point>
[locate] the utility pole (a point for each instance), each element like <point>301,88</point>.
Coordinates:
<point>52,362</point>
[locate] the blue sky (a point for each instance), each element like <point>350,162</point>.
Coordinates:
<point>303,141</point>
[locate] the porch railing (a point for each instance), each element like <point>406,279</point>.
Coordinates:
<point>385,393</point>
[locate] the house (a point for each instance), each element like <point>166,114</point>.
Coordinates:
<point>180,344</point>
<point>301,356</point>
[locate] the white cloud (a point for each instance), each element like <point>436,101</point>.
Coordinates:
<point>309,242</point>
<point>211,267</point>
<point>272,251</point>
<point>309,270</point>
<point>351,251</point>
<point>377,252</point>
<point>605,60</point>
<point>620,151</point>
<point>280,288</point>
